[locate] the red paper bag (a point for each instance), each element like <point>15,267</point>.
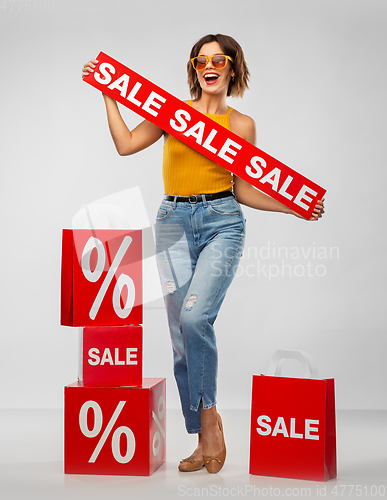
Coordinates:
<point>110,356</point>
<point>115,430</point>
<point>101,281</point>
<point>293,430</point>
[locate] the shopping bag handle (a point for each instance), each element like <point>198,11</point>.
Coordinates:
<point>309,368</point>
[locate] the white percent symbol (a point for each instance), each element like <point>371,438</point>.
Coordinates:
<point>94,276</point>
<point>91,433</point>
<point>160,414</point>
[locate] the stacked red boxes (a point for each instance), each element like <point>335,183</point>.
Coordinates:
<point>114,418</point>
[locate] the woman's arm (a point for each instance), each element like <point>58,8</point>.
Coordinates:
<point>127,142</point>
<point>248,195</point>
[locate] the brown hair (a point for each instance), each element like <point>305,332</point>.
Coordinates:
<point>230,47</point>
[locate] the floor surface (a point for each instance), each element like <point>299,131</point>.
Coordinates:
<point>31,463</point>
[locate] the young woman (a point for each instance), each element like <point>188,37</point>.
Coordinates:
<point>200,232</point>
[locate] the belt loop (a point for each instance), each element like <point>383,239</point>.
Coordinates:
<point>204,200</point>
<point>174,202</point>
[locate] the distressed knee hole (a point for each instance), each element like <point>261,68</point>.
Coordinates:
<point>190,302</point>
<point>171,287</point>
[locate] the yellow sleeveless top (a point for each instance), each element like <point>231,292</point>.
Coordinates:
<point>187,172</point>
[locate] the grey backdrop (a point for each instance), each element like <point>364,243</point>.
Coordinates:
<point>318,96</point>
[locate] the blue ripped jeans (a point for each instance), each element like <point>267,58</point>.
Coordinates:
<point>198,250</point>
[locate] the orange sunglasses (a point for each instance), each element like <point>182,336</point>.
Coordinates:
<point>199,63</point>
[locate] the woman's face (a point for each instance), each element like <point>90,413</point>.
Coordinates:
<point>211,80</point>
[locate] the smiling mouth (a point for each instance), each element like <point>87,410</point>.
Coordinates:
<point>211,78</point>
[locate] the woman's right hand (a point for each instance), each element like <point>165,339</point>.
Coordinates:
<point>126,142</point>
<point>89,67</point>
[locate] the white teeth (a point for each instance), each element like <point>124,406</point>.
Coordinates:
<point>211,75</point>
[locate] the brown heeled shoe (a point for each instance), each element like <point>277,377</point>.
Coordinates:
<point>190,465</point>
<point>214,464</point>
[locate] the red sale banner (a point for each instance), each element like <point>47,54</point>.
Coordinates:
<point>205,136</point>
<point>101,277</point>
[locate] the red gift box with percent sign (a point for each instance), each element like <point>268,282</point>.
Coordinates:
<point>101,277</point>
<point>111,356</point>
<point>115,430</point>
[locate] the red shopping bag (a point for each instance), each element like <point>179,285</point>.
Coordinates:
<point>101,279</point>
<point>293,430</point>
<point>115,430</point>
<point>111,356</point>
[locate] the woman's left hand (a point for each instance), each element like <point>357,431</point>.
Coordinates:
<point>317,212</point>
